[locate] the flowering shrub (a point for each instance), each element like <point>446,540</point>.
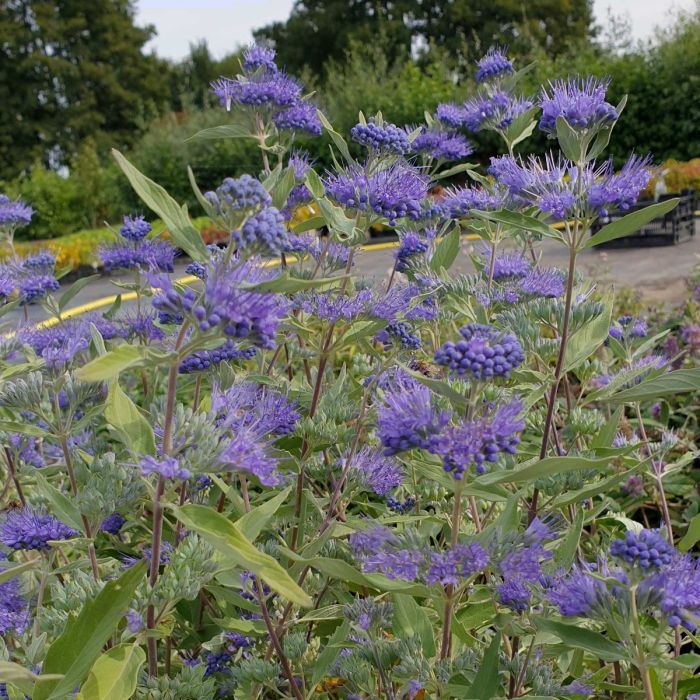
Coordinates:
<point>286,481</point>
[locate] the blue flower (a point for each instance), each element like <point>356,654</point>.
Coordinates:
<point>257,56</point>
<point>32,529</point>
<point>484,352</point>
<point>494,64</point>
<point>648,549</point>
<point>374,470</point>
<point>386,138</point>
<point>393,191</point>
<point>166,466</point>
<point>263,232</point>
<point>301,116</point>
<point>113,523</point>
<point>135,228</point>
<point>580,102</point>
<point>407,418</point>
<point>443,145</point>
<point>14,212</point>
<point>479,441</point>
<point>412,245</point>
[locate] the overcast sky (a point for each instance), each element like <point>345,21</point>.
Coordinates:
<point>225,24</point>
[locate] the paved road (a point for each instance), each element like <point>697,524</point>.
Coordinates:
<point>658,272</point>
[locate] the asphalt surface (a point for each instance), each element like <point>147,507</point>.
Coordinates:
<point>658,273</point>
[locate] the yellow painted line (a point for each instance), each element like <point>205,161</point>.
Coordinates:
<point>188,279</point>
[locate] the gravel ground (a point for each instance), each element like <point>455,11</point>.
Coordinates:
<point>657,272</point>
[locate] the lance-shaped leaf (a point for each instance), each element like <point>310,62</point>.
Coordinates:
<point>222,534</point>
<point>74,652</point>
<point>184,234</point>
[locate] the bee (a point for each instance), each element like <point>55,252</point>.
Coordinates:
<point>427,369</point>
<point>329,684</point>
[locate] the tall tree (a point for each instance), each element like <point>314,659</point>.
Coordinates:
<point>319,30</point>
<point>70,69</point>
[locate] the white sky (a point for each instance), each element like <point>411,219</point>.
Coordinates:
<point>226,24</point>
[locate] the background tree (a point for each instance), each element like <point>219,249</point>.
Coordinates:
<point>320,30</point>
<point>72,69</point>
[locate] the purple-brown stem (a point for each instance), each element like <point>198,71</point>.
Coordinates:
<point>558,371</point>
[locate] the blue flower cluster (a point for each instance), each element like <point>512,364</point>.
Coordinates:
<point>479,441</point>
<point>264,85</point>
<point>667,583</point>
<point>649,549</point>
<point>560,188</point>
<point>484,352</point>
<point>14,213</point>
<point>494,64</point>
<point>166,466</point>
<point>412,246</point>
<point>442,145</point>
<point>402,332</point>
<point>204,359</point>
<point>32,529</point>
<point>394,191</point>
<point>113,523</point>
<point>265,232</point>
<point>135,228</point>
<point>373,470</point>
<point>380,550</point>
<point>628,327</point>
<point>580,102</point>
<point>302,116</point>
<point>225,303</point>
<point>238,195</point>
<point>408,418</point>
<point>385,138</point>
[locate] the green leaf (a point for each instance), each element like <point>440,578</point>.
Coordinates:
<point>338,140</point>
<point>609,430</point>
<point>61,506</point>
<point>222,534</point>
<point>109,366</point>
<point>446,251</point>
<point>175,217</point>
<point>566,551</point>
<point>569,140</point>
<point>691,536</point>
<point>225,131</point>
<point>330,652</point>
<point>310,224</point>
<point>285,284</point>
<point>520,128</point>
<point>10,572</point>
<point>204,203</point>
<point>682,381</point>
<point>9,426</point>
<point>487,679</point>
<point>130,424</point>
<point>73,290</point>
<point>255,521</point>
<point>73,653</point>
<point>314,184</point>
<point>411,620</point>
<point>582,638</point>
<point>519,221</point>
<point>454,170</point>
<point>282,188</point>
<point>630,223</point>
<point>587,339</point>
<point>23,678</point>
<point>543,468</point>
<point>114,675</point>
<point>330,612</point>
